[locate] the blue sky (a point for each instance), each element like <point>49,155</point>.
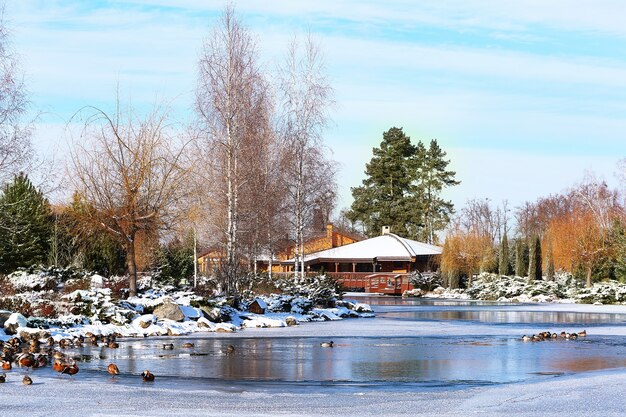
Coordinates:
<point>525,96</point>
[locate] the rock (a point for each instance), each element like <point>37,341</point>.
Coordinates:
<point>204,323</point>
<point>225,330</point>
<point>170,311</point>
<point>33,334</point>
<point>14,321</point>
<point>291,321</point>
<point>362,308</point>
<point>4,316</point>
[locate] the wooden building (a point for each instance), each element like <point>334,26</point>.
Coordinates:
<point>380,264</point>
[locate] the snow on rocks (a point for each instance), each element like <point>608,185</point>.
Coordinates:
<point>84,305</point>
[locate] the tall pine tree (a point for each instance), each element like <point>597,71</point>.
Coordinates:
<point>383,200</point>
<point>534,260</point>
<point>504,267</point>
<point>403,189</point>
<point>521,267</point>
<point>25,225</point>
<point>432,178</point>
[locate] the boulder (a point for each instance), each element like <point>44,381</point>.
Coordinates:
<point>291,321</point>
<point>170,311</point>
<point>4,316</point>
<point>15,321</point>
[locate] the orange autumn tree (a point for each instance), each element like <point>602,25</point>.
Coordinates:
<point>464,251</point>
<point>580,238</point>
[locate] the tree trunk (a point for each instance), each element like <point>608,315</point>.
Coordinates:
<point>588,276</point>
<point>132,267</point>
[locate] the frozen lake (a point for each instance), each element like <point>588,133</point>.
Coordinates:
<point>459,344</point>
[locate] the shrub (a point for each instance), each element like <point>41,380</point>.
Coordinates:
<point>426,281</point>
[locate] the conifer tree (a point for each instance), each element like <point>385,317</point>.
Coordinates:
<point>381,200</point>
<point>403,189</point>
<point>520,261</point>
<point>25,225</point>
<point>534,260</point>
<point>504,267</point>
<point>550,265</point>
<point>432,178</point>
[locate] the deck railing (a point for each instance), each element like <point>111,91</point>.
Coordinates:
<point>380,282</point>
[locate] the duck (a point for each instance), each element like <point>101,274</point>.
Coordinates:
<point>327,344</point>
<point>113,369</point>
<point>168,346</point>
<point>113,345</point>
<point>26,359</point>
<point>582,334</point>
<point>58,355</point>
<point>27,380</point>
<point>230,349</point>
<point>3,378</point>
<point>147,376</point>
<point>70,369</point>
<point>58,366</point>
<point>573,336</point>
<point>188,345</point>
<point>6,365</point>
<point>526,338</point>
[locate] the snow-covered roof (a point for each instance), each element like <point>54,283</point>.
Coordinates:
<point>388,247</point>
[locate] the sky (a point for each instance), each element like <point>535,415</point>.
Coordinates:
<point>526,97</point>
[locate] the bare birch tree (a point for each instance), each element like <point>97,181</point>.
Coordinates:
<point>233,105</point>
<point>308,174</point>
<point>130,172</point>
<point>15,137</point>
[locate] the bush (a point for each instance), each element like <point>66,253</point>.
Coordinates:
<point>426,281</point>
<point>322,290</point>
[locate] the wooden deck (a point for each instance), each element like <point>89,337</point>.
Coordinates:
<point>392,283</point>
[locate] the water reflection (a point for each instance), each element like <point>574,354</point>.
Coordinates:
<point>510,317</point>
<point>422,360</point>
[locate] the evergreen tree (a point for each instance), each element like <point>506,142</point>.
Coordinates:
<point>520,259</point>
<point>504,267</point>
<point>534,260</point>
<point>382,199</point>
<point>550,263</point>
<point>432,178</point>
<point>25,225</point>
<point>403,189</point>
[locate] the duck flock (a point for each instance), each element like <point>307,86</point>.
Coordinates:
<point>540,337</point>
<point>35,354</point>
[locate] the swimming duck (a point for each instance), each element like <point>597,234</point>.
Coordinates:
<point>188,345</point>
<point>3,378</point>
<point>526,338</point>
<point>113,369</point>
<point>113,345</point>
<point>58,355</point>
<point>27,380</point>
<point>168,346</point>
<point>230,349</point>
<point>6,365</point>
<point>327,344</point>
<point>573,336</point>
<point>582,334</point>
<point>147,376</point>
